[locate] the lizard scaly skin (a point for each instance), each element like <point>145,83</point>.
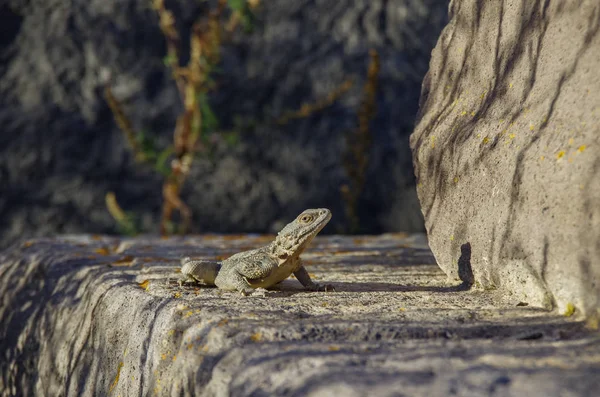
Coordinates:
<point>265,266</point>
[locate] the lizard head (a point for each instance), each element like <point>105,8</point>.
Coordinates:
<point>296,235</point>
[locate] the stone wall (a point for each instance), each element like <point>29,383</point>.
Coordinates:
<point>506,149</point>
<point>61,151</point>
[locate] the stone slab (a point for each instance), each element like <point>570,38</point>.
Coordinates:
<point>96,315</point>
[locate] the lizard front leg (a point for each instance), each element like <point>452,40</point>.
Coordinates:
<point>302,275</point>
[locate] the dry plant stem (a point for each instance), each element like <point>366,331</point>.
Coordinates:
<point>309,108</point>
<point>359,143</point>
<point>192,81</point>
<point>123,123</point>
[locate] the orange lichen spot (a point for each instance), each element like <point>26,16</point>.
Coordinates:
<point>581,149</point>
<point>102,251</point>
<point>222,322</point>
<point>174,357</point>
<point>256,337</point>
<point>312,275</point>
<point>163,356</point>
<point>96,237</point>
<point>27,244</point>
<point>560,154</point>
<point>333,348</point>
<point>112,386</point>
<point>145,284</point>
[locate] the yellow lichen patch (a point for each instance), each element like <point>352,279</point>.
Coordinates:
<point>542,158</point>
<point>401,309</point>
<point>581,186</point>
<point>145,284</point>
<point>125,261</point>
<point>510,85</point>
<point>27,244</point>
<point>560,154</point>
<point>222,322</point>
<point>324,304</point>
<point>256,337</point>
<point>312,275</point>
<point>333,348</point>
<point>511,136</point>
<point>463,113</point>
<point>177,295</point>
<point>171,332</point>
<point>478,135</point>
<point>472,113</point>
<point>571,140</point>
<point>116,377</point>
<point>531,127</point>
<point>163,356</point>
<point>581,149</point>
<point>102,251</point>
<point>569,310</point>
<point>432,139</point>
<point>455,179</point>
<point>175,357</point>
<point>452,238</point>
<point>593,321</point>
<point>187,314</point>
<point>486,140</point>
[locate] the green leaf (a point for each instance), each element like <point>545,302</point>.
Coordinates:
<point>209,119</point>
<point>147,145</point>
<point>231,138</point>
<point>237,5</point>
<point>161,161</point>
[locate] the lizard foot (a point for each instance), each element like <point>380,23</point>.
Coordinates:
<point>321,287</point>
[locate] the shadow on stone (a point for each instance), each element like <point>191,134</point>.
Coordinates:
<point>465,271</point>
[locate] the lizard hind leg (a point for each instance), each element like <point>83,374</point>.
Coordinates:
<point>202,271</point>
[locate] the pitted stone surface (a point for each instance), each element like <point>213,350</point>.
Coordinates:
<point>506,148</point>
<point>92,315</point>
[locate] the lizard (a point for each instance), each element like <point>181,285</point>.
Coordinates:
<point>265,266</point>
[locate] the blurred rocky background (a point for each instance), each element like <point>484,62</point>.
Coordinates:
<point>61,150</point>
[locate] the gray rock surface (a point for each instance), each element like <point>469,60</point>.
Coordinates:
<point>76,320</point>
<point>60,150</point>
<point>506,149</point>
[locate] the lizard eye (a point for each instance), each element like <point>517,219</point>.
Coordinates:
<point>306,218</point>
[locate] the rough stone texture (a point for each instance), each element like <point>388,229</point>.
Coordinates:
<point>60,150</point>
<point>506,148</point>
<point>74,321</point>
